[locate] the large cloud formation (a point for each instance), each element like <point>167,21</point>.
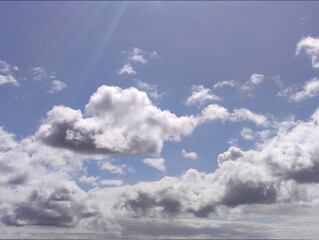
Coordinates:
<point>120,121</point>
<point>116,121</point>
<point>38,188</point>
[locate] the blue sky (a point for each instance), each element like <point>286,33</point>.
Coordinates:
<point>115,115</point>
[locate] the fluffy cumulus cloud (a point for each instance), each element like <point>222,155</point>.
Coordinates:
<point>310,89</point>
<point>309,46</point>
<point>282,173</point>
<point>200,95</point>
<point>7,72</point>
<point>214,112</point>
<point>189,155</point>
<point>115,122</point>
<point>158,163</point>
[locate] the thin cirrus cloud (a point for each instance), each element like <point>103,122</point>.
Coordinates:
<point>309,46</point>
<point>200,95</point>
<point>57,86</point>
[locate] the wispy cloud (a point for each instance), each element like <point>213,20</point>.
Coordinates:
<point>309,89</point>
<point>230,83</point>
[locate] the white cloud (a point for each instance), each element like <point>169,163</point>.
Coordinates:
<point>39,73</point>
<point>247,133</point>
<point>8,79</point>
<point>89,180</point>
<point>259,183</point>
<point>127,68</point>
<point>158,163</point>
<point>115,169</point>
<point>190,155</point>
<point>154,54</point>
<point>144,85</point>
<point>57,86</point>
<point>230,83</point>
<point>310,46</point>
<point>111,182</point>
<point>254,80</point>
<point>215,112</point>
<point>117,122</point>
<point>137,56</point>
<point>7,73</point>
<point>200,95</point>
<point>310,89</point>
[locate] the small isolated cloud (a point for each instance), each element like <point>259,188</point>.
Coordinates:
<point>254,80</point>
<point>247,133</point>
<point>89,180</point>
<point>201,95</point>
<point>57,86</point>
<point>127,68</point>
<point>158,163</point>
<point>310,89</point>
<point>154,54</point>
<point>7,73</point>
<point>115,169</point>
<point>137,55</point>
<point>309,46</point>
<point>111,182</point>
<point>189,155</point>
<point>144,85</point>
<point>151,89</point>
<point>8,79</point>
<point>230,83</point>
<point>38,73</point>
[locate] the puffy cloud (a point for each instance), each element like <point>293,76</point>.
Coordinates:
<point>230,83</point>
<point>117,121</point>
<point>158,163</point>
<point>215,112</point>
<point>310,46</point>
<point>57,86</point>
<point>127,68</point>
<point>190,155</point>
<point>201,95</point>
<point>310,89</point>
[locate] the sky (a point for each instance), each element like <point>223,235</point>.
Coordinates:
<point>152,120</point>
